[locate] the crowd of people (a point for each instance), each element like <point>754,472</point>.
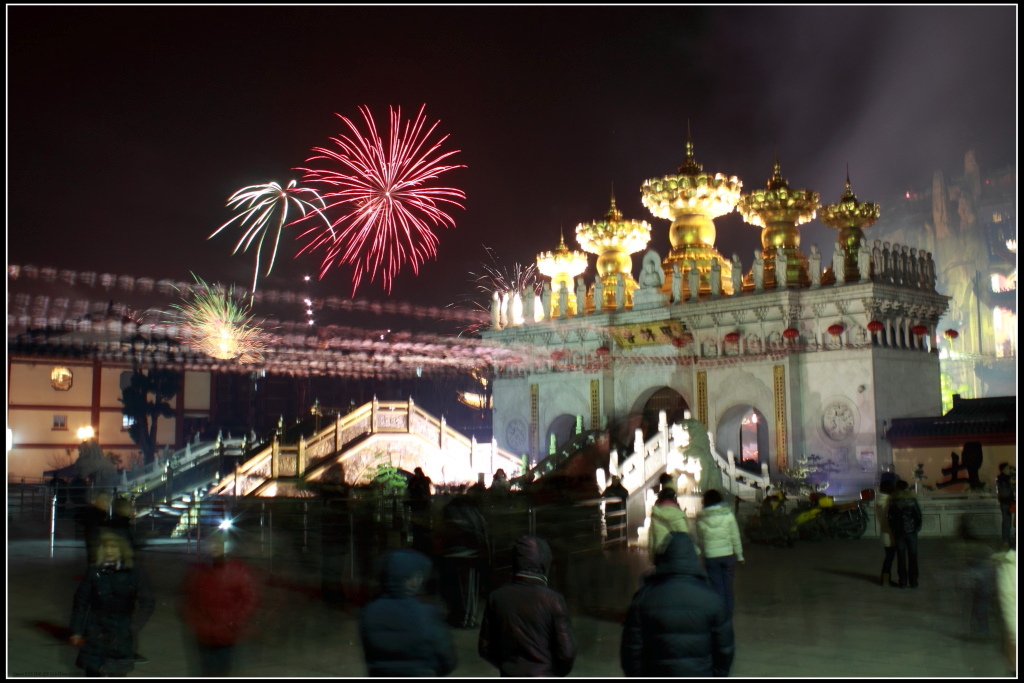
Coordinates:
<point>679,621</point>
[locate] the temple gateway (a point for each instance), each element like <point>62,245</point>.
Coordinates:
<point>784,357</point>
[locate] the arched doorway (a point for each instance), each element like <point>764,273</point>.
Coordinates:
<point>743,430</point>
<point>562,429</point>
<point>667,399</point>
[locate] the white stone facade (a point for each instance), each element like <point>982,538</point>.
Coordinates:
<point>836,391</point>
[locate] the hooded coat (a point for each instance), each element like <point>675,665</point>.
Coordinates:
<point>401,635</point>
<point>904,514</point>
<point>677,625</point>
<point>666,517</point>
<point>526,630</point>
<point>109,606</point>
<point>718,533</point>
<point>221,598</point>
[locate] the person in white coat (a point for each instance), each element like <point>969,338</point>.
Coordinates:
<point>885,490</point>
<point>718,537</point>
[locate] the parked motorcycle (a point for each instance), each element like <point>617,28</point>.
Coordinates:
<point>822,518</point>
<point>771,524</point>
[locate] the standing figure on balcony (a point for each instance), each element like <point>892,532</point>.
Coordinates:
<point>736,274</point>
<point>693,280</point>
<point>581,296</point>
<point>814,266</point>
<point>620,292</point>
<point>677,284</point>
<point>598,294</point>
<point>757,271</point>
<point>716,278</point>
<point>864,260</point>
<point>545,300</point>
<point>839,263</point>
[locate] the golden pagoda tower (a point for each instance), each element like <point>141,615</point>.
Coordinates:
<point>562,266</point>
<point>613,240</point>
<point>849,217</point>
<point>778,210</point>
<point>692,200</point>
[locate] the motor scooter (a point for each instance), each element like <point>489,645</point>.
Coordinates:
<point>771,524</point>
<point>822,518</point>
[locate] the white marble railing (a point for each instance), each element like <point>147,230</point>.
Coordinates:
<point>191,455</point>
<point>648,459</point>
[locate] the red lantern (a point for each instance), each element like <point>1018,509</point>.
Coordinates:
<point>876,326</point>
<point>791,333</point>
<point>557,355</point>
<point>836,329</point>
<point>678,342</point>
<point>919,330</point>
<point>732,337</point>
<point>602,351</point>
<point>951,334</point>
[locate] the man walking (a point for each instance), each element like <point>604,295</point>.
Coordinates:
<point>1007,503</point>
<point>905,523</point>
<point>526,629</point>
<point>677,625</point>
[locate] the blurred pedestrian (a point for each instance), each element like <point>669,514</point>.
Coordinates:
<point>677,625</point>
<point>1006,591</point>
<point>885,489</point>
<point>112,604</point>
<point>718,537</point>
<point>220,596</point>
<point>419,491</point>
<point>465,559</point>
<point>666,517</point>
<point>122,520</point>
<point>905,522</point>
<point>402,636</point>
<point>526,629</point>
<point>500,484</point>
<point>1006,493</point>
<point>93,518</point>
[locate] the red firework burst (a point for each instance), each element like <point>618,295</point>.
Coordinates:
<point>390,211</point>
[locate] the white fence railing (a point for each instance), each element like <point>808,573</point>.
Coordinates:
<point>664,450</point>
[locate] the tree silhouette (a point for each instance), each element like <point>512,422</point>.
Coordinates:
<point>145,400</point>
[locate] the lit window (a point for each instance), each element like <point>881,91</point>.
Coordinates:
<point>126,422</point>
<point>997,218</point>
<point>61,378</point>
<point>60,422</point>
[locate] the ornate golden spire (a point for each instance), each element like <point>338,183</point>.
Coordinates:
<point>778,210</point>
<point>692,199</point>
<point>850,217</point>
<point>613,240</point>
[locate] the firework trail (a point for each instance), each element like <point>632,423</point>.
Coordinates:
<point>259,205</point>
<point>219,326</point>
<point>389,209</point>
<point>494,277</point>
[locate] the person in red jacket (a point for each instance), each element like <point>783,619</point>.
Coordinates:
<point>220,597</point>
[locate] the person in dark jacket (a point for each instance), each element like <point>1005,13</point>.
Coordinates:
<point>904,524</point>
<point>219,599</point>
<point>526,630</point>
<point>1005,492</point>
<point>677,625</point>
<point>402,636</point>
<point>94,518</point>
<point>113,602</point>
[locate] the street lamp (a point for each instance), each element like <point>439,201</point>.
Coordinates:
<point>85,433</point>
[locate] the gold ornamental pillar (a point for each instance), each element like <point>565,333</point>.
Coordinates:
<point>613,240</point>
<point>778,210</point>
<point>849,217</point>
<point>692,200</point>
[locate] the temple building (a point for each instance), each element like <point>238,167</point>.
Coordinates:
<point>789,355</point>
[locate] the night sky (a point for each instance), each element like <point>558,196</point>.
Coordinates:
<point>128,127</point>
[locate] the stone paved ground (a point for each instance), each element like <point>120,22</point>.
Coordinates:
<point>815,610</point>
